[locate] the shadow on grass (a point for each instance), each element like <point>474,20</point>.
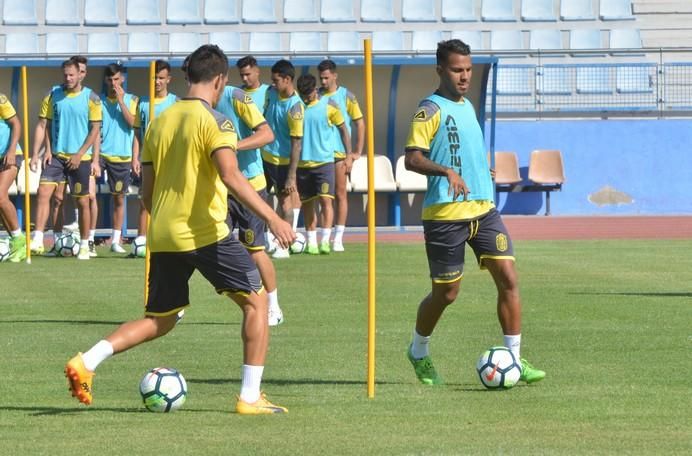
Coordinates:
<point>287,382</point>
<point>671,294</point>
<point>111,323</point>
<point>53,411</point>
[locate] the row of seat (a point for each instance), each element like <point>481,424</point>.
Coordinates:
<point>149,12</point>
<point>100,42</point>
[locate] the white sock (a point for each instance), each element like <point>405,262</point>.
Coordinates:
<point>273,297</point>
<point>513,342</point>
<point>419,345</point>
<point>92,234</point>
<point>97,354</point>
<point>15,233</point>
<point>296,213</point>
<point>326,234</point>
<point>115,238</point>
<point>339,233</point>
<point>38,237</point>
<point>312,237</point>
<point>84,243</point>
<point>76,216</point>
<point>252,379</point>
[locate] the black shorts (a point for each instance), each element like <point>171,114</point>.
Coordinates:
<point>445,244</point>
<point>251,228</point>
<point>225,264</point>
<point>57,172</point>
<point>276,176</point>
<point>315,182</point>
<point>18,160</point>
<point>118,175</point>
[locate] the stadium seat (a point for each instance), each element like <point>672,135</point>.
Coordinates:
<point>384,176</point>
<point>545,39</point>
<point>19,12</point>
<point>265,42</point>
<point>506,168</point>
<point>503,40</point>
<point>21,43</point>
<point>182,12</point>
<point>228,41</point>
<point>635,79</point>
<point>425,40</point>
<point>376,11</point>
<point>62,12</point>
<point>143,12</point>
<point>61,43</point>
<point>593,80</point>
<point>143,42</point>
<point>498,11</point>
<point>576,10</point>
<point>473,38</point>
<point>515,80</point>
<point>259,12</point>
<point>343,41</point>
<point>34,178</point>
<point>305,41</point>
<point>585,39</point>
<point>337,11</point>
<point>183,42</point>
<point>221,12</point>
<point>300,11</point>
<point>538,10</point>
<point>546,168</point>
<point>101,12</point>
<point>417,11</point>
<point>409,181</point>
<point>616,10</point>
<point>387,41</point>
<point>625,39</point>
<point>553,80</point>
<point>459,11</point>
<point>103,43</point>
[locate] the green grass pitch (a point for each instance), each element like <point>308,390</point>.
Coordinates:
<point>610,322</point>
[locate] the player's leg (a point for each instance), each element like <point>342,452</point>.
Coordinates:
<point>326,221</point>
<point>43,196</point>
<point>93,216</point>
<point>119,182</point>
<point>8,213</point>
<point>310,219</point>
<point>57,206</point>
<point>78,181</point>
<point>341,203</point>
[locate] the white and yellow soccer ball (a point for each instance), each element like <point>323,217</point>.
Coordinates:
<point>163,390</point>
<point>139,247</point>
<point>4,250</point>
<point>298,245</point>
<point>498,368</point>
<point>67,245</point>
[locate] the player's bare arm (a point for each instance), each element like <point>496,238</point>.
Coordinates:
<point>261,136</point>
<point>296,146</point>
<point>136,165</point>
<point>127,115</point>
<point>48,153</point>
<point>148,178</point>
<point>39,142</point>
<point>346,141</point>
<point>360,138</point>
<point>417,162</point>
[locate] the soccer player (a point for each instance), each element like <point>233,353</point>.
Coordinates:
<point>188,166</point>
<point>446,144</point>
<point>316,165</point>
<point>73,115</point>
<point>350,110</point>
<point>249,73</point>
<point>284,113</point>
<point>10,160</point>
<point>118,149</point>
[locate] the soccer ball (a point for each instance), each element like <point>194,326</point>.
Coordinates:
<point>139,247</point>
<point>163,390</point>
<point>4,250</point>
<point>299,244</point>
<point>498,368</point>
<point>67,245</point>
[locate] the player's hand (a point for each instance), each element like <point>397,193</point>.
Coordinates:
<point>492,173</point>
<point>34,164</point>
<point>74,161</point>
<point>290,185</point>
<point>119,91</point>
<point>348,162</point>
<point>136,167</point>
<point>457,186</point>
<point>47,158</point>
<point>95,169</point>
<point>282,231</point>
<point>9,160</point>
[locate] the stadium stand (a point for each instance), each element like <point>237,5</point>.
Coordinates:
<point>19,12</point>
<point>101,12</point>
<point>553,80</point>
<point>383,175</point>
<point>21,43</point>
<point>103,43</point>
<point>593,80</point>
<point>183,42</point>
<point>506,40</point>
<point>425,40</point>
<point>300,11</point>
<point>259,12</point>
<point>459,11</point>
<point>546,39</point>
<point>143,42</point>
<point>265,42</point>
<point>143,12</point>
<point>62,12</point>
<point>305,42</point>
<point>473,38</point>
<point>61,43</point>
<point>337,11</point>
<point>219,12</point>
<point>417,11</point>
<point>387,41</point>
<point>343,41</point>
<point>577,10</point>
<point>182,12</point>
<point>228,41</point>
<point>585,39</point>
<point>538,10</point>
<point>376,11</point>
<point>498,11</point>
<point>616,10</point>
<point>625,39</point>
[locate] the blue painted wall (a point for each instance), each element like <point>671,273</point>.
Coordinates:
<point>649,160</point>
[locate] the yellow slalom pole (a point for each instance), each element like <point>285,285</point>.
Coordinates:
<point>25,150</point>
<point>152,112</point>
<point>369,118</point>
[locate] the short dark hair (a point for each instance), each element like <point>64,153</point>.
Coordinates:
<point>248,60</point>
<point>284,68</point>
<point>306,84</point>
<point>445,48</point>
<point>161,65</point>
<point>112,69</point>
<point>207,62</point>
<point>326,65</point>
<point>70,62</point>
<point>79,59</point>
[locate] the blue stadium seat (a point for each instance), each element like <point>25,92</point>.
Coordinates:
<point>498,11</point>
<point>473,38</point>
<point>503,40</point>
<point>553,80</point>
<point>576,10</point>
<point>514,80</point>
<point>343,41</point>
<point>616,10</point>
<point>103,43</point>
<point>259,12</point>
<point>265,42</point>
<point>183,42</point>
<point>221,12</point>
<point>387,41</point>
<point>143,12</point>
<point>62,12</point>
<point>182,12</point>
<point>425,40</point>
<point>143,42</point>
<point>305,41</point>
<point>101,12</point>
<point>19,12</point>
<point>459,11</point>
<point>376,11</point>
<point>635,79</point>
<point>538,10</point>
<point>228,41</point>
<point>585,39</point>
<point>300,11</point>
<point>337,11</point>
<point>61,43</point>
<point>625,39</point>
<point>417,11</point>
<point>545,39</point>
<point>593,80</point>
<point>21,43</point>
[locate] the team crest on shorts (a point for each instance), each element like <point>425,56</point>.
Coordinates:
<point>324,189</point>
<point>501,242</point>
<point>249,237</point>
<point>77,188</point>
<point>119,186</point>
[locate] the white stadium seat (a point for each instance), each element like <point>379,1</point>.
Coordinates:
<point>305,41</point>
<point>473,38</point>
<point>337,11</point>
<point>593,80</point>
<point>300,11</point>
<point>259,12</point>
<point>376,11</point>
<point>19,12</point>
<point>425,40</point>
<point>34,178</point>
<point>634,79</point>
<point>143,42</point>
<point>553,80</point>
<point>514,80</point>
<point>387,41</point>
<point>459,10</point>
<point>180,42</point>
<point>498,11</point>
<point>143,12</point>
<point>21,43</point>
<point>616,10</point>
<point>576,10</point>
<point>343,41</point>
<point>409,181</point>
<point>585,39</point>
<point>538,10</point>
<point>417,11</point>
<point>228,41</point>
<point>265,42</point>
<point>503,40</point>
<point>221,12</point>
<point>103,43</point>
<point>101,12</point>
<point>182,12</point>
<point>62,12</point>
<point>61,43</point>
<point>625,39</point>
<point>545,39</point>
<point>383,175</point>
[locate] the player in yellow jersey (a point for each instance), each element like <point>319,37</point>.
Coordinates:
<point>188,166</point>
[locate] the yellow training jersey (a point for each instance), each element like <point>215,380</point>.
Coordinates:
<point>189,202</point>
